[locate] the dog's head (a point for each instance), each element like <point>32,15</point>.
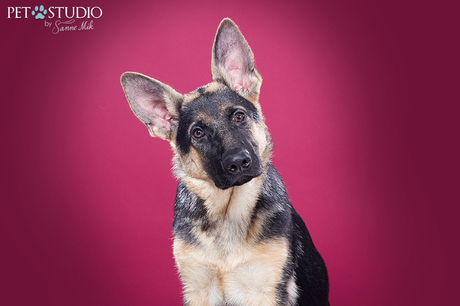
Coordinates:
<point>217,132</point>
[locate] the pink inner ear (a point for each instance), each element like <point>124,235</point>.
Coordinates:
<point>235,65</point>
<point>161,115</point>
<point>154,110</point>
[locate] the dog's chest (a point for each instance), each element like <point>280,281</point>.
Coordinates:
<point>247,275</point>
<point>227,262</point>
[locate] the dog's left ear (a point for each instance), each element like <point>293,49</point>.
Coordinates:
<point>154,103</point>
<point>233,61</point>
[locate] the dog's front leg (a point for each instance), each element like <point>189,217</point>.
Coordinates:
<point>202,285</point>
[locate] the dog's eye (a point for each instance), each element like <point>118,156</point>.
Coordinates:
<point>197,132</point>
<point>239,116</point>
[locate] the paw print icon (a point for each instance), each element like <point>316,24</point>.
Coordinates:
<point>39,13</point>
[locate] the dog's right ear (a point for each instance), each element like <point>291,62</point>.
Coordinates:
<point>233,61</point>
<point>154,103</point>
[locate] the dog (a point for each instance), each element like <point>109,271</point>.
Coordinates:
<point>237,238</point>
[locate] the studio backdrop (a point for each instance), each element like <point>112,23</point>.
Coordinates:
<point>358,96</point>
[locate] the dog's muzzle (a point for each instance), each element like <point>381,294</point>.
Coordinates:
<point>237,161</point>
<point>240,166</point>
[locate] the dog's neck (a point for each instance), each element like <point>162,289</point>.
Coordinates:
<point>230,211</point>
<point>235,203</point>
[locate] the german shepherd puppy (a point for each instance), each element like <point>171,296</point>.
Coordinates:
<point>237,238</point>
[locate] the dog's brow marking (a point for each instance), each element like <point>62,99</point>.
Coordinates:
<point>205,118</point>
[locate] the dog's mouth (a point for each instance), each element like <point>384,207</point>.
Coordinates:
<point>226,184</point>
<point>238,179</point>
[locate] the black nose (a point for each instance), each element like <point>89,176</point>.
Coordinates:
<point>237,161</point>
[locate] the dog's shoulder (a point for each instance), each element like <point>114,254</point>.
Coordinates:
<point>283,221</point>
<point>189,212</point>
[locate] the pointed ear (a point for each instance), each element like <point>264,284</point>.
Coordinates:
<point>233,61</point>
<point>154,103</point>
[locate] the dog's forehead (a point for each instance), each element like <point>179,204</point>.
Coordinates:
<point>203,90</point>
<point>213,102</point>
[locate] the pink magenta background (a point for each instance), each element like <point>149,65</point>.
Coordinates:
<point>361,98</point>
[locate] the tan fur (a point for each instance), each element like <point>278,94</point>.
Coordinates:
<point>213,87</point>
<point>190,97</point>
<point>247,275</point>
<point>263,138</point>
<point>292,291</point>
<point>205,118</point>
<point>189,166</point>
